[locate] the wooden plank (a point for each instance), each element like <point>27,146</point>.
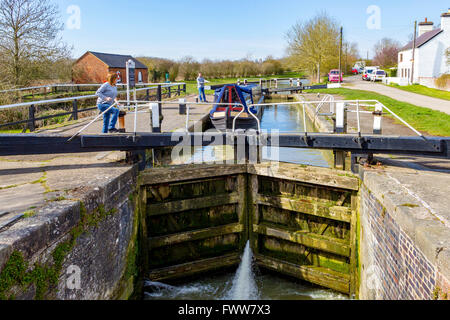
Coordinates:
<point>353,243</point>
<point>253,211</point>
<point>143,232</point>
<point>310,240</point>
<point>316,209</point>
<point>158,209</point>
<point>193,268</point>
<point>321,276</point>
<point>187,173</point>
<point>172,239</point>
<point>311,175</point>
<point>242,209</point>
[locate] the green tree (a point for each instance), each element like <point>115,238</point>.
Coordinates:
<point>313,46</point>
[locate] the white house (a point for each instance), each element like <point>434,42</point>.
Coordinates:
<point>430,54</point>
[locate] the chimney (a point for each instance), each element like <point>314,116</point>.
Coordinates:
<point>425,27</point>
<point>445,21</point>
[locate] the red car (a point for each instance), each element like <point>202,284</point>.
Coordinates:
<point>333,76</point>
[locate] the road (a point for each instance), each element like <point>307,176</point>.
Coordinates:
<point>355,82</point>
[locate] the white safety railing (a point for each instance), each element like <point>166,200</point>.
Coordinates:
<point>357,103</point>
<point>379,108</point>
<point>152,105</point>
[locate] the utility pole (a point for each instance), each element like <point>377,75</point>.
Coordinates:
<point>414,52</point>
<point>340,55</point>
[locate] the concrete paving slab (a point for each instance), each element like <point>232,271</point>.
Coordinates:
<point>22,198</point>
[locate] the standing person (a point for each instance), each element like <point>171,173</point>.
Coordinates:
<point>107,95</point>
<point>201,87</point>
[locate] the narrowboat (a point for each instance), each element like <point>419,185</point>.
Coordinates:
<point>228,101</point>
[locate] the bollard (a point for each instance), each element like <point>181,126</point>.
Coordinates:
<point>122,115</point>
<point>182,107</point>
<point>378,118</point>
<point>239,82</point>
<point>340,127</point>
<point>245,82</point>
<point>156,125</point>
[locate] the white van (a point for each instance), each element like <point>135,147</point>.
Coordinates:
<point>368,71</point>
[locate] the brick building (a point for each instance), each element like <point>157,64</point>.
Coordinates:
<point>93,67</point>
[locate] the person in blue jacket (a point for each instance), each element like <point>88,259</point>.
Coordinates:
<point>107,95</point>
<point>201,87</point>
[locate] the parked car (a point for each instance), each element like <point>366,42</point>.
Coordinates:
<point>378,75</point>
<point>368,71</point>
<point>357,70</point>
<point>333,76</point>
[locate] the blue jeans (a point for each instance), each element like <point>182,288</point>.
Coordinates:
<point>202,95</point>
<point>108,121</point>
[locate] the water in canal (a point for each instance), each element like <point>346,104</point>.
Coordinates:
<point>281,117</point>
<point>248,282</point>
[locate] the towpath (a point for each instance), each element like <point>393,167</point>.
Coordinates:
<point>355,82</point>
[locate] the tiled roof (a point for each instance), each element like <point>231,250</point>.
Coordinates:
<point>420,41</point>
<point>117,60</point>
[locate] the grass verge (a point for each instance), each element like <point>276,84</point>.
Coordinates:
<point>425,120</point>
<point>416,88</point>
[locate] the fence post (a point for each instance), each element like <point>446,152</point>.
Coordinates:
<point>147,97</point>
<point>184,89</point>
<point>340,128</point>
<point>170,92</point>
<point>31,118</point>
<point>159,98</point>
<point>179,90</point>
<point>75,109</point>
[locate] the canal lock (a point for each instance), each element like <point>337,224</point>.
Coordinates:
<point>301,222</point>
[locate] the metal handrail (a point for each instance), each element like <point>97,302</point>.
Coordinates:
<point>188,106</point>
<point>345,101</point>
<point>90,123</point>
<point>54,101</point>
<point>328,98</point>
<point>64,85</point>
<point>242,111</point>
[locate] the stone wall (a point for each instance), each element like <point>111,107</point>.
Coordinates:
<point>82,249</point>
<point>398,261</point>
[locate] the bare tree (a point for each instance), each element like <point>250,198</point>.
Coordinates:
<point>386,52</point>
<point>314,45</point>
<point>29,35</point>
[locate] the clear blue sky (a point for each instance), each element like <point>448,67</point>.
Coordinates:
<point>231,29</point>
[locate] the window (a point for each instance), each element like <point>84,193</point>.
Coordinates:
<point>401,57</point>
<point>140,77</point>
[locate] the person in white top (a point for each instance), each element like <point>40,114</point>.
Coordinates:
<point>201,87</point>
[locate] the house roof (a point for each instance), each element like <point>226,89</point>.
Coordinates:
<point>420,41</point>
<point>117,60</point>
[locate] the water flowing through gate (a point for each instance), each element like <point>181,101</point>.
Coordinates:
<point>301,221</point>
